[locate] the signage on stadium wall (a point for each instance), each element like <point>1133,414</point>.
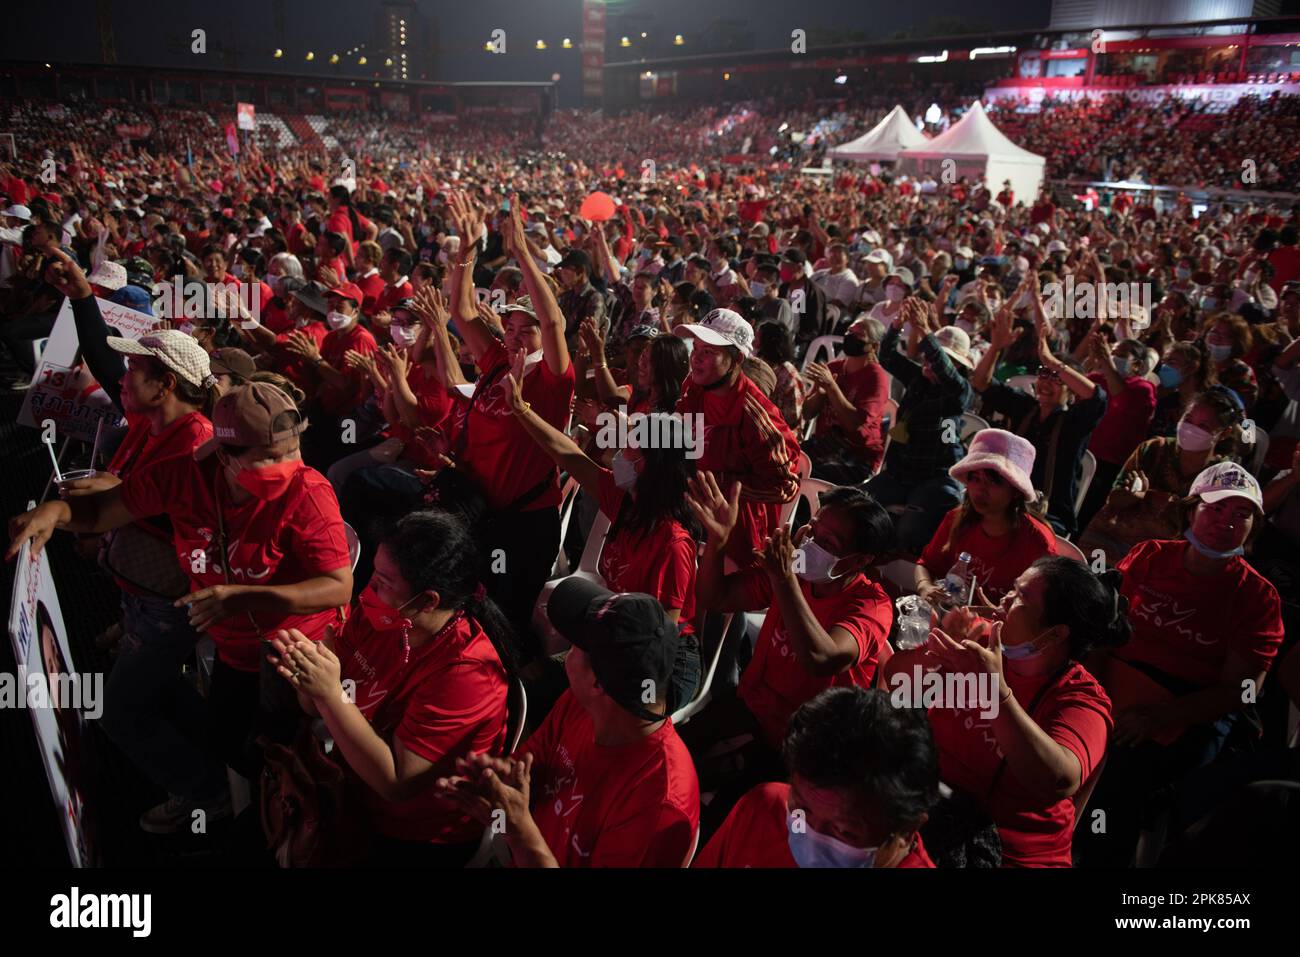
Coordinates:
<point>343,98</point>
<point>1224,93</point>
<point>593,52</point>
<point>49,687</point>
<point>63,388</point>
<point>246,116</point>
<point>395,102</point>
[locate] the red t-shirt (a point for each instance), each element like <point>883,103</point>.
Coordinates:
<point>433,407</point>
<point>1075,713</point>
<point>296,239</point>
<point>500,456</point>
<point>340,222</point>
<point>1185,625</point>
<point>868,391</point>
<point>996,563</point>
<point>392,295</point>
<point>338,265</point>
<point>1285,261</point>
<point>142,449</point>
<point>449,698</point>
<point>631,805</point>
<point>1041,212</point>
<point>659,563</point>
<point>292,366</point>
<point>774,685</point>
<point>335,400</point>
<point>372,287</point>
<point>755,834</point>
<point>278,541</point>
<point>1128,417</point>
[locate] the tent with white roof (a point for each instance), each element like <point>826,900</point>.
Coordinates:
<point>884,141</point>
<point>978,150</point>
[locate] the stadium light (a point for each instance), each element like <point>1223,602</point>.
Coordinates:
<point>726,76</point>
<point>643,34</point>
<point>541,44</point>
<point>841,79</point>
<point>567,44</point>
<point>334,58</point>
<point>388,61</point>
<point>678,40</point>
<point>991,51</point>
<point>361,62</point>
<point>310,55</point>
<point>278,53</point>
<point>625,42</point>
<point>941,58</point>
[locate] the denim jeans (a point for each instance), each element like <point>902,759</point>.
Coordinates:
<point>926,505</point>
<point>150,711</point>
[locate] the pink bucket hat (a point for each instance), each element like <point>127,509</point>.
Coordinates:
<point>1003,452</point>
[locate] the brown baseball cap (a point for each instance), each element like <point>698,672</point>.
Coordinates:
<point>245,417</point>
<point>232,361</point>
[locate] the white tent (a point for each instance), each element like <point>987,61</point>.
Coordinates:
<point>884,141</point>
<point>977,150</point>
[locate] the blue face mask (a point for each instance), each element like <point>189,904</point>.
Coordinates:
<point>1171,377</point>
<point>1220,353</point>
<point>813,849</point>
<point>1208,552</point>
<point>1209,304</point>
<point>1122,365</point>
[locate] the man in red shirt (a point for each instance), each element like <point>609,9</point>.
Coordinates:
<point>605,781</point>
<point>1285,259</point>
<point>863,777</point>
<point>394,269</point>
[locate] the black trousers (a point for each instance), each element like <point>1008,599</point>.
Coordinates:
<point>519,550</point>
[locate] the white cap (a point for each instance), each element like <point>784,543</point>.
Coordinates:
<point>1056,246</point>
<point>19,212</point>
<point>179,352</point>
<point>109,275</point>
<point>1227,480</point>
<point>881,256</point>
<point>721,327</point>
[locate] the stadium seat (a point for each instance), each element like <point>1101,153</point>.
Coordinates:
<point>568,504</point>
<point>788,509</point>
<point>1088,468</point>
<point>822,349</point>
<point>552,641</point>
<point>492,853</point>
<point>354,544</point>
<point>705,693</point>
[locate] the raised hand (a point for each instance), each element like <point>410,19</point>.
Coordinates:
<point>716,512</point>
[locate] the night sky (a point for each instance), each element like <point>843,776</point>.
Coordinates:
<point>157,34</point>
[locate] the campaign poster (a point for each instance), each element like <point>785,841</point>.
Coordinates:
<point>246,116</point>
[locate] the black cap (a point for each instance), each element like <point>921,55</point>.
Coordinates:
<point>312,296</point>
<point>674,241</point>
<point>794,255</point>
<point>628,637</point>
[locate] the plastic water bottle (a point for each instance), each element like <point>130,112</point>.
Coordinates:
<point>955,582</point>
<point>914,617</point>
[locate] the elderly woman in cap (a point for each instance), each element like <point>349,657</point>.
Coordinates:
<point>993,525</point>
<point>848,403</point>
<point>150,711</point>
<point>1206,629</point>
<point>257,533</point>
<point>745,439</point>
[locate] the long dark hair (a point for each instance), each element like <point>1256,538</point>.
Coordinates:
<point>660,490</point>
<point>966,515</point>
<point>774,343</point>
<point>1090,604</point>
<point>435,551</point>
<point>670,363</point>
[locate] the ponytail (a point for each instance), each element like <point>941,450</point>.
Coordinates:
<point>1092,606</point>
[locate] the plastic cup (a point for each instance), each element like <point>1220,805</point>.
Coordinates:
<point>76,474</point>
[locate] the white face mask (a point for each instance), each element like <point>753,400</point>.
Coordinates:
<point>757,288</point>
<point>624,472</point>
<point>894,293</point>
<point>337,320</point>
<point>818,563</point>
<point>1193,438</point>
<point>403,336</point>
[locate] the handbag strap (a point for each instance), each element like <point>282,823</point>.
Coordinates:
<point>224,545</point>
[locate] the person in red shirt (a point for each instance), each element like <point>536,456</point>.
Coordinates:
<point>1123,372</point>
<point>992,523</point>
<point>369,257</point>
<point>605,781</point>
<point>849,406</point>
<point>343,218</point>
<point>1206,625</point>
<point>257,532</point>
<point>394,268</point>
<point>650,546</point>
<point>516,478</point>
<point>1285,258</point>
<point>341,387</point>
<point>305,309</point>
<point>418,673</point>
<point>214,266</point>
<point>863,777</point>
<point>746,439</point>
<point>827,623</point>
<point>275,312</point>
<point>1027,752</point>
<point>331,266</point>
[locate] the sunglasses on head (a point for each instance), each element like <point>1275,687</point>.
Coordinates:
<point>1045,373</point>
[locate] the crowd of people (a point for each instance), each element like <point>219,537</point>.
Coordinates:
<point>411,393</point>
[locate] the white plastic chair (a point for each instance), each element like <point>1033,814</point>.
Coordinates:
<point>695,846</point>
<point>890,414</point>
<point>822,344</point>
<point>705,693</point>
<point>489,850</point>
<point>1068,549</point>
<point>568,505</point>
<point>970,424</point>
<point>553,643</point>
<point>354,544</point>
<point>1088,468</point>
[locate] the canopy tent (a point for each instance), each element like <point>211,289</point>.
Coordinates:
<point>979,151</point>
<point>884,141</point>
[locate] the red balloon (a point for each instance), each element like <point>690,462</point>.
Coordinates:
<point>597,207</point>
